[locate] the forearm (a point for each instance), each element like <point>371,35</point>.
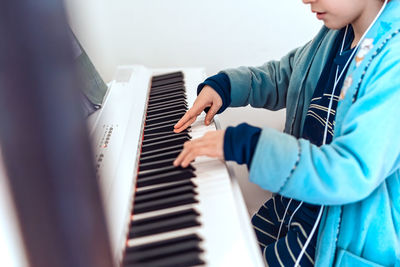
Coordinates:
<point>263,87</point>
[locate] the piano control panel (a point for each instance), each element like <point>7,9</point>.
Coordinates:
<point>103,143</point>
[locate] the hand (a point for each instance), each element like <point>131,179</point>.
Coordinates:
<point>211,145</point>
<point>208,97</point>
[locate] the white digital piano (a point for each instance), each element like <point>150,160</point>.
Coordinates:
<point>158,214</point>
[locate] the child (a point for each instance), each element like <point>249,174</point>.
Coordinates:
<point>336,168</point>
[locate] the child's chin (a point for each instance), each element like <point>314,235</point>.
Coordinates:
<point>333,26</point>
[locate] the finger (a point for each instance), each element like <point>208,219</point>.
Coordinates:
<point>210,114</point>
<point>187,124</point>
<point>188,149</point>
<point>194,111</point>
<point>189,157</point>
<point>193,154</point>
<point>188,116</point>
<point>181,156</point>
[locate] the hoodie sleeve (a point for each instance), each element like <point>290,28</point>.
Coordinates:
<point>363,153</point>
<point>263,87</point>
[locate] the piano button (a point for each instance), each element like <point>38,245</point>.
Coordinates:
<point>163,171</point>
<point>163,193</point>
<point>164,223</point>
<point>189,198</point>
<point>165,178</point>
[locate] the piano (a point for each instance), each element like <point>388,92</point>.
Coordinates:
<point>158,214</point>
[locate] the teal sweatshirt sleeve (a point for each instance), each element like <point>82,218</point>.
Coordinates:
<point>364,151</point>
<point>264,86</point>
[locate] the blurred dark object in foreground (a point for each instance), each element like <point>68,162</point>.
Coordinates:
<point>44,141</point>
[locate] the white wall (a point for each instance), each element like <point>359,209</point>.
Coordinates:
<point>214,34</point>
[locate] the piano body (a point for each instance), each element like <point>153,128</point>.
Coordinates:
<point>159,215</point>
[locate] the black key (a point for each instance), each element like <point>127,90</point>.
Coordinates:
<point>184,259</point>
<point>166,138</point>
<point>177,87</point>
<point>164,223</point>
<point>142,193</point>
<point>149,146</point>
<point>156,165</point>
<point>169,103</point>
<point>156,84</point>
<point>163,128</point>
<point>167,76</point>
<point>168,155</point>
<point>169,122</point>
<point>167,94</point>
<point>178,90</point>
<point>172,134</point>
<point>152,139</point>
<point>151,254</point>
<point>165,178</point>
<point>169,90</point>
<point>166,99</point>
<point>165,114</point>
<point>157,249</point>
<point>171,107</point>
<point>163,171</point>
<point>171,202</point>
<point>177,190</point>
<point>160,124</point>
<point>162,150</point>
<point>160,109</point>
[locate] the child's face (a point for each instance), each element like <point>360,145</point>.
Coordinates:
<point>338,13</point>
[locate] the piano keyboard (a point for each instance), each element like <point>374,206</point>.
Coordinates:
<point>160,186</point>
<point>168,224</point>
<point>160,215</point>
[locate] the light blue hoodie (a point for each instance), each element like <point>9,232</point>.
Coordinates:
<point>357,176</point>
